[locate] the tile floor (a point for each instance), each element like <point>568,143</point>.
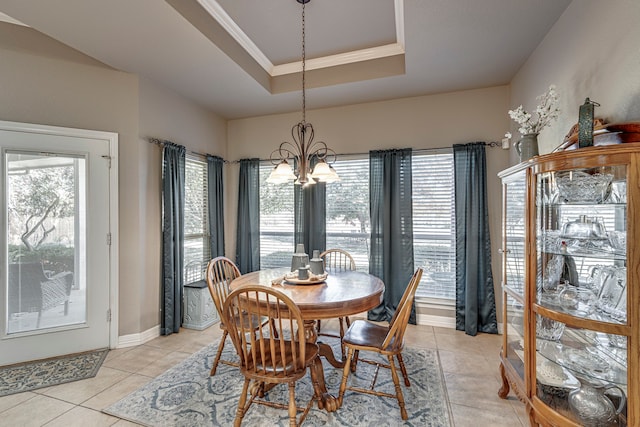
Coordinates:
<point>470,366</point>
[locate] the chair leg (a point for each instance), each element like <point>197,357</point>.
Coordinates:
<point>318,325</point>
<point>348,321</point>
<point>355,360</point>
<point>274,329</point>
<point>341,336</point>
<point>243,399</point>
<point>219,353</point>
<point>293,411</point>
<point>345,376</point>
<point>396,383</point>
<point>404,370</point>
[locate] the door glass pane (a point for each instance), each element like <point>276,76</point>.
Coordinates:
<point>45,212</point>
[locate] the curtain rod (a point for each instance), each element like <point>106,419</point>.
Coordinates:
<point>160,143</point>
<point>491,144</point>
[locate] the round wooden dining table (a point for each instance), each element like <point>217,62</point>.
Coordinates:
<point>343,293</point>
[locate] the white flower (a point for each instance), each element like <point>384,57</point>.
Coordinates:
<point>547,111</point>
<point>507,135</point>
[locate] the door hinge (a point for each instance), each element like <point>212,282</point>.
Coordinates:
<point>109,315</point>
<point>109,239</point>
<point>108,158</point>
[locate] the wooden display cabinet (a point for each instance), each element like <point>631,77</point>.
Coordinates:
<point>570,282</point>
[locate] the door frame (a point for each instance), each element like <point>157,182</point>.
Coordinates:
<point>112,139</point>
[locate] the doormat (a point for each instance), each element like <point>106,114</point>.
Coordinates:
<point>186,395</point>
<point>48,372</point>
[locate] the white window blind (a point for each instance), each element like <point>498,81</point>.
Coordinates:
<point>276,221</point>
<point>434,223</point>
<point>348,225</point>
<point>196,217</point>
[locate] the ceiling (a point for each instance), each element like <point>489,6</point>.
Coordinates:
<point>241,58</point>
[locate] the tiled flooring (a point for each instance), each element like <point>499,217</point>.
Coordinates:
<point>470,366</point>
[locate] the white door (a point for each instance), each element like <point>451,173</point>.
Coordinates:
<point>55,241</point>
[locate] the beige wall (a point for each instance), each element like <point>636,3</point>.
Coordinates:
<point>419,122</point>
<point>592,51</point>
<point>45,82</point>
<point>166,116</point>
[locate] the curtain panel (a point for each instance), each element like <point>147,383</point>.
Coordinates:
<point>391,257</point>
<point>172,236</point>
<point>248,229</point>
<point>310,214</point>
<point>475,297</point>
<point>216,205</point>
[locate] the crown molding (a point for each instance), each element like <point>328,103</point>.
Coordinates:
<point>339,59</point>
<point>219,14</point>
<point>213,8</point>
<point>7,18</point>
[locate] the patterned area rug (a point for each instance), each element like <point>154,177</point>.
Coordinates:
<point>48,372</point>
<point>185,395</point>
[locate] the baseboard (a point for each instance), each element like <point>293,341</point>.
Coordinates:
<point>132,340</point>
<point>440,321</point>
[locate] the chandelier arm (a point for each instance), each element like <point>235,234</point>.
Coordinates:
<point>283,152</point>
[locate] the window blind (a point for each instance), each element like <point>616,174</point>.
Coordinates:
<point>348,225</point>
<point>276,221</point>
<point>196,218</point>
<point>434,223</point>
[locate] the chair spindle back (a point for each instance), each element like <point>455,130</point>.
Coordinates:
<point>220,272</point>
<point>338,259</point>
<point>400,319</point>
<point>266,352</point>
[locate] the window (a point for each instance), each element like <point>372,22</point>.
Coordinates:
<point>276,221</point>
<point>348,219</point>
<point>434,223</point>
<point>196,218</point>
<point>348,225</point>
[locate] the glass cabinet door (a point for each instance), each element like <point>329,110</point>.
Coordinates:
<point>513,278</point>
<point>514,231</point>
<point>581,224</point>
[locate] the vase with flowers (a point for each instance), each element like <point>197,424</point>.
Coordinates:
<point>546,112</point>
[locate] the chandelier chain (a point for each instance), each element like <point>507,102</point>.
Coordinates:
<point>304,98</point>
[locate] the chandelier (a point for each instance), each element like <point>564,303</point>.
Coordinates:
<point>303,151</point>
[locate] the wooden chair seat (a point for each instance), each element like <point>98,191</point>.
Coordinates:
<point>386,341</point>
<point>367,336</point>
<point>281,367</point>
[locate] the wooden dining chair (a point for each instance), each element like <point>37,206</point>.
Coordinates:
<point>220,272</point>
<point>337,260</point>
<point>267,357</point>
<point>387,341</point>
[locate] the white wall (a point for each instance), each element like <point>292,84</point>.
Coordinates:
<point>592,51</point>
<point>419,122</point>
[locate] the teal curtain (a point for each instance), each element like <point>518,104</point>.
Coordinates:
<point>216,205</point>
<point>172,236</point>
<point>391,256</point>
<point>248,229</point>
<point>310,214</point>
<point>475,297</point>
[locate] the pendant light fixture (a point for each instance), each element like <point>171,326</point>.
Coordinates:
<point>303,150</point>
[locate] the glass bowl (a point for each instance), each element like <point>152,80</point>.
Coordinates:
<point>579,186</point>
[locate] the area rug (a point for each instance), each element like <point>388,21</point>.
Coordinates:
<point>49,372</point>
<point>185,395</point>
